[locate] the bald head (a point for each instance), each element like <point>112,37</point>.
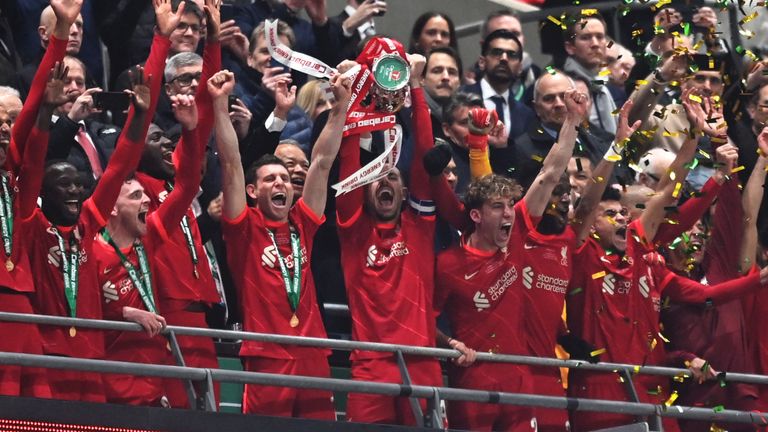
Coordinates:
<point>47,24</point>
<point>653,166</point>
<point>549,98</point>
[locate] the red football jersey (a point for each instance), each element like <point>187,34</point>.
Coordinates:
<point>175,271</point>
<point>49,297</point>
<point>253,260</point>
<point>480,291</point>
<point>389,274</point>
<point>545,274</point>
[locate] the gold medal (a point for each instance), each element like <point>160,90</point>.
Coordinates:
<point>9,265</point>
<point>194,272</point>
<point>72,331</point>
<point>294,321</point>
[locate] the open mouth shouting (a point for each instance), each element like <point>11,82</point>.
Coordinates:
<point>279,199</point>
<point>143,216</point>
<point>72,206</point>
<point>385,196</point>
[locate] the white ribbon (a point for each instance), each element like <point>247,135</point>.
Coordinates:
<point>377,168</point>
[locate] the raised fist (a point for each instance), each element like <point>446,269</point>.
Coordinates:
<point>481,120</point>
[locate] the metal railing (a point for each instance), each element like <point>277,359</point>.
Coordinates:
<point>433,394</point>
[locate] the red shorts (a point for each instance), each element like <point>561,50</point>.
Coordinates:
<point>607,387</point>
<point>372,408</point>
<point>497,377</point>
<point>77,386</point>
<point>548,382</point>
<point>198,352</point>
<point>288,401</point>
<point>21,338</point>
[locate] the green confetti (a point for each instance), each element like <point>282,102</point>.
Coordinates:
<point>576,291</point>
<point>718,408</point>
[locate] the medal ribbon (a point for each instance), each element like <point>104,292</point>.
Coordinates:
<point>292,284</point>
<point>6,217</point>
<point>187,233</point>
<point>70,266</point>
<point>143,283</point>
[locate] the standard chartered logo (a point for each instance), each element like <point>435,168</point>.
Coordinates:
<point>645,290</point>
<point>609,283</point>
<point>543,281</point>
<point>528,277</point>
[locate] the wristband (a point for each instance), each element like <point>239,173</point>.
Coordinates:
<point>613,154</point>
<point>476,142</point>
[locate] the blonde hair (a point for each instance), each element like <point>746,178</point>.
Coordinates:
<point>308,97</point>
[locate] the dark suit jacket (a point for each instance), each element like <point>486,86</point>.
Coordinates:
<point>62,144</point>
<point>533,146</point>
<point>503,160</point>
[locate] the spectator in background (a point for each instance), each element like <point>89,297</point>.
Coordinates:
<point>455,122</point>
<point>621,61</point>
<point>44,30</point>
<point>432,30</point>
<point>585,44</point>
<point>312,101</point>
<point>508,20</point>
<point>296,162</point>
<point>502,54</point>
<point>357,24</point>
<point>442,78</point>
<point>256,84</point>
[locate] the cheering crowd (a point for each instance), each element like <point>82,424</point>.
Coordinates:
<point>606,207</point>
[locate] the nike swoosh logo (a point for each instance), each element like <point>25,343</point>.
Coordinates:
<point>528,246</point>
<point>469,276</point>
<point>107,269</point>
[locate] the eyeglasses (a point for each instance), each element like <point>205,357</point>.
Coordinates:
<point>185,79</point>
<point>183,27</point>
<point>611,213</point>
<point>498,52</point>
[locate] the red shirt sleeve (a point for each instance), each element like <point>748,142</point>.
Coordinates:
<point>448,205</point>
<point>684,290</point>
<point>123,161</point>
<point>155,67</point>
<point>187,183</point>
<point>31,173</point>
<point>422,125</point>
<point>26,120</point>
<point>349,204</point>
<point>721,257</point>
<point>688,214</point>
<point>211,65</point>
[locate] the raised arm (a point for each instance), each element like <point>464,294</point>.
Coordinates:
<point>220,86</point>
<point>693,209</point>
<point>66,12</point>
<point>751,200</point>
<point>211,66</point>
<point>129,146</point>
<point>538,195</point>
<point>327,147</point>
<point>422,126</point>
<point>30,178</point>
<point>585,211</point>
<point>683,290</point>
<point>647,94</point>
<point>705,117</point>
<point>189,169</point>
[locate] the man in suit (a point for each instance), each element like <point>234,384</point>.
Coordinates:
<point>501,57</point>
<point>357,25</point>
<point>85,143</point>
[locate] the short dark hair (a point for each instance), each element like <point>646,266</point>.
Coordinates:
<point>497,14</point>
<point>447,51</point>
<point>611,194</point>
<point>251,175</point>
<point>501,34</point>
<point>418,26</point>
<point>460,99</point>
<point>190,7</point>
<point>574,20</point>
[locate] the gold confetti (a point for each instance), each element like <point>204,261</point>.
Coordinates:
<point>598,275</point>
<point>672,399</point>
<point>676,192</point>
<point>537,158</point>
<point>663,338</point>
<point>694,98</point>
<point>604,72</point>
<point>737,169</point>
<point>613,158</point>
<point>597,352</point>
<point>748,18</point>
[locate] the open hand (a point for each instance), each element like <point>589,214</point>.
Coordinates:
<point>54,88</point>
<point>140,93</point>
<point>167,19</point>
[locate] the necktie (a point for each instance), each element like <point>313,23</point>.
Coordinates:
<point>499,102</point>
<point>90,152</point>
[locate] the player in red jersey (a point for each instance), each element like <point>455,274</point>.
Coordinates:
<point>16,282</point>
<point>529,271</point>
<point>185,285</point>
<point>269,243</point>
<point>614,302</point>
<point>59,237</point>
<point>126,276</point>
<point>387,257</point>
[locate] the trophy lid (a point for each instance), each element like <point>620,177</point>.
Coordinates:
<point>391,72</point>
